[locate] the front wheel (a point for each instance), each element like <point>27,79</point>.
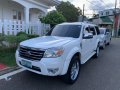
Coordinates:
<point>73,71</point>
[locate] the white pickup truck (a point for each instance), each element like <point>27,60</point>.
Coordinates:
<point>61,52</point>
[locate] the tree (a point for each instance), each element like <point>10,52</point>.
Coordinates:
<point>53,18</point>
<point>69,11</point>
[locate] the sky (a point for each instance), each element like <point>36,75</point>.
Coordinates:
<point>94,6</point>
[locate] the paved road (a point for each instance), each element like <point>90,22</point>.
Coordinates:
<point>97,74</point>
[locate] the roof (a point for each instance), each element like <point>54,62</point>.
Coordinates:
<point>49,2</point>
<point>106,20</point>
<point>109,9</point>
<point>77,23</point>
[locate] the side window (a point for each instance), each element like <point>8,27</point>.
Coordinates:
<point>107,30</point>
<point>92,30</point>
<point>87,30</point>
<point>97,30</point>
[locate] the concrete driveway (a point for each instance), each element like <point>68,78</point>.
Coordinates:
<point>97,74</point>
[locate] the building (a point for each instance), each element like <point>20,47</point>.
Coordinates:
<point>23,12</point>
<point>106,18</point>
<point>81,18</point>
<point>108,12</point>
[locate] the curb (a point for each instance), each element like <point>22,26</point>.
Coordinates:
<point>8,70</point>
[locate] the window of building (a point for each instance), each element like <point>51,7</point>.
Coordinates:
<point>17,15</point>
<point>107,13</point>
<point>14,14</point>
<point>101,13</point>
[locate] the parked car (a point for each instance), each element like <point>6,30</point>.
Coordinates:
<point>61,52</point>
<point>105,37</point>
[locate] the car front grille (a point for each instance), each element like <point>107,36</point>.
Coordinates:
<point>31,53</point>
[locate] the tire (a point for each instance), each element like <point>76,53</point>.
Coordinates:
<point>109,42</point>
<point>73,71</point>
<point>97,52</point>
<point>103,47</point>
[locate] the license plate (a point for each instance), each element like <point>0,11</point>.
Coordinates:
<point>26,64</point>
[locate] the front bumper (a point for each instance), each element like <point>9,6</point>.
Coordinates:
<point>101,43</point>
<point>46,66</point>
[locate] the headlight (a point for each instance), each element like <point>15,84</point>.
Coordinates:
<point>53,52</point>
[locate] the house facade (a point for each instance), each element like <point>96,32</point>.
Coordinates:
<point>108,12</point>
<point>24,11</point>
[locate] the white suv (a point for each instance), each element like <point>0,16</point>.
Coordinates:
<point>61,52</point>
<point>105,37</point>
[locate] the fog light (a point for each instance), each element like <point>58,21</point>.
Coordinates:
<point>53,71</point>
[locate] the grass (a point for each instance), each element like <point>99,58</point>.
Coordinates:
<point>7,56</point>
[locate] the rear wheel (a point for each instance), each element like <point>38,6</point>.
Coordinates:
<point>109,42</point>
<point>97,52</point>
<point>73,71</point>
<point>103,47</point>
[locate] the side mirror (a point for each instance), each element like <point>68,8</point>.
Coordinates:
<point>88,36</point>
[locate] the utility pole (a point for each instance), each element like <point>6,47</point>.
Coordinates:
<point>83,12</point>
<point>115,20</point>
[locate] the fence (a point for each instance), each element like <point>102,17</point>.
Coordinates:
<point>9,27</point>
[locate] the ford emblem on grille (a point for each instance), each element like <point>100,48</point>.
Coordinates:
<point>28,52</point>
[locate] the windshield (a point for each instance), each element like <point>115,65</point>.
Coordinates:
<point>66,31</point>
<point>102,31</point>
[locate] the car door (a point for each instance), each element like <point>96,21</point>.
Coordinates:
<point>94,39</point>
<point>86,45</point>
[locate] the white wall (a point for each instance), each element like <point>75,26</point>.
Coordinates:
<point>34,14</point>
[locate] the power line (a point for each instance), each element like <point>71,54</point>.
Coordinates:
<point>92,9</point>
<point>96,5</point>
<point>102,1</point>
<point>92,4</point>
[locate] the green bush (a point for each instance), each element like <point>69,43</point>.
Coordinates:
<point>21,33</point>
<point>21,38</point>
<point>2,37</point>
<point>32,36</point>
<point>12,40</point>
<point>15,40</point>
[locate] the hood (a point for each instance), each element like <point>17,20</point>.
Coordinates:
<point>46,42</point>
<point>102,37</point>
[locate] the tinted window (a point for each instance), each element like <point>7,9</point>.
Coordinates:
<point>66,31</point>
<point>97,30</point>
<point>102,31</point>
<point>107,30</point>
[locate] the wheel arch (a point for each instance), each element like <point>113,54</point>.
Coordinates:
<point>97,43</point>
<point>68,60</point>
